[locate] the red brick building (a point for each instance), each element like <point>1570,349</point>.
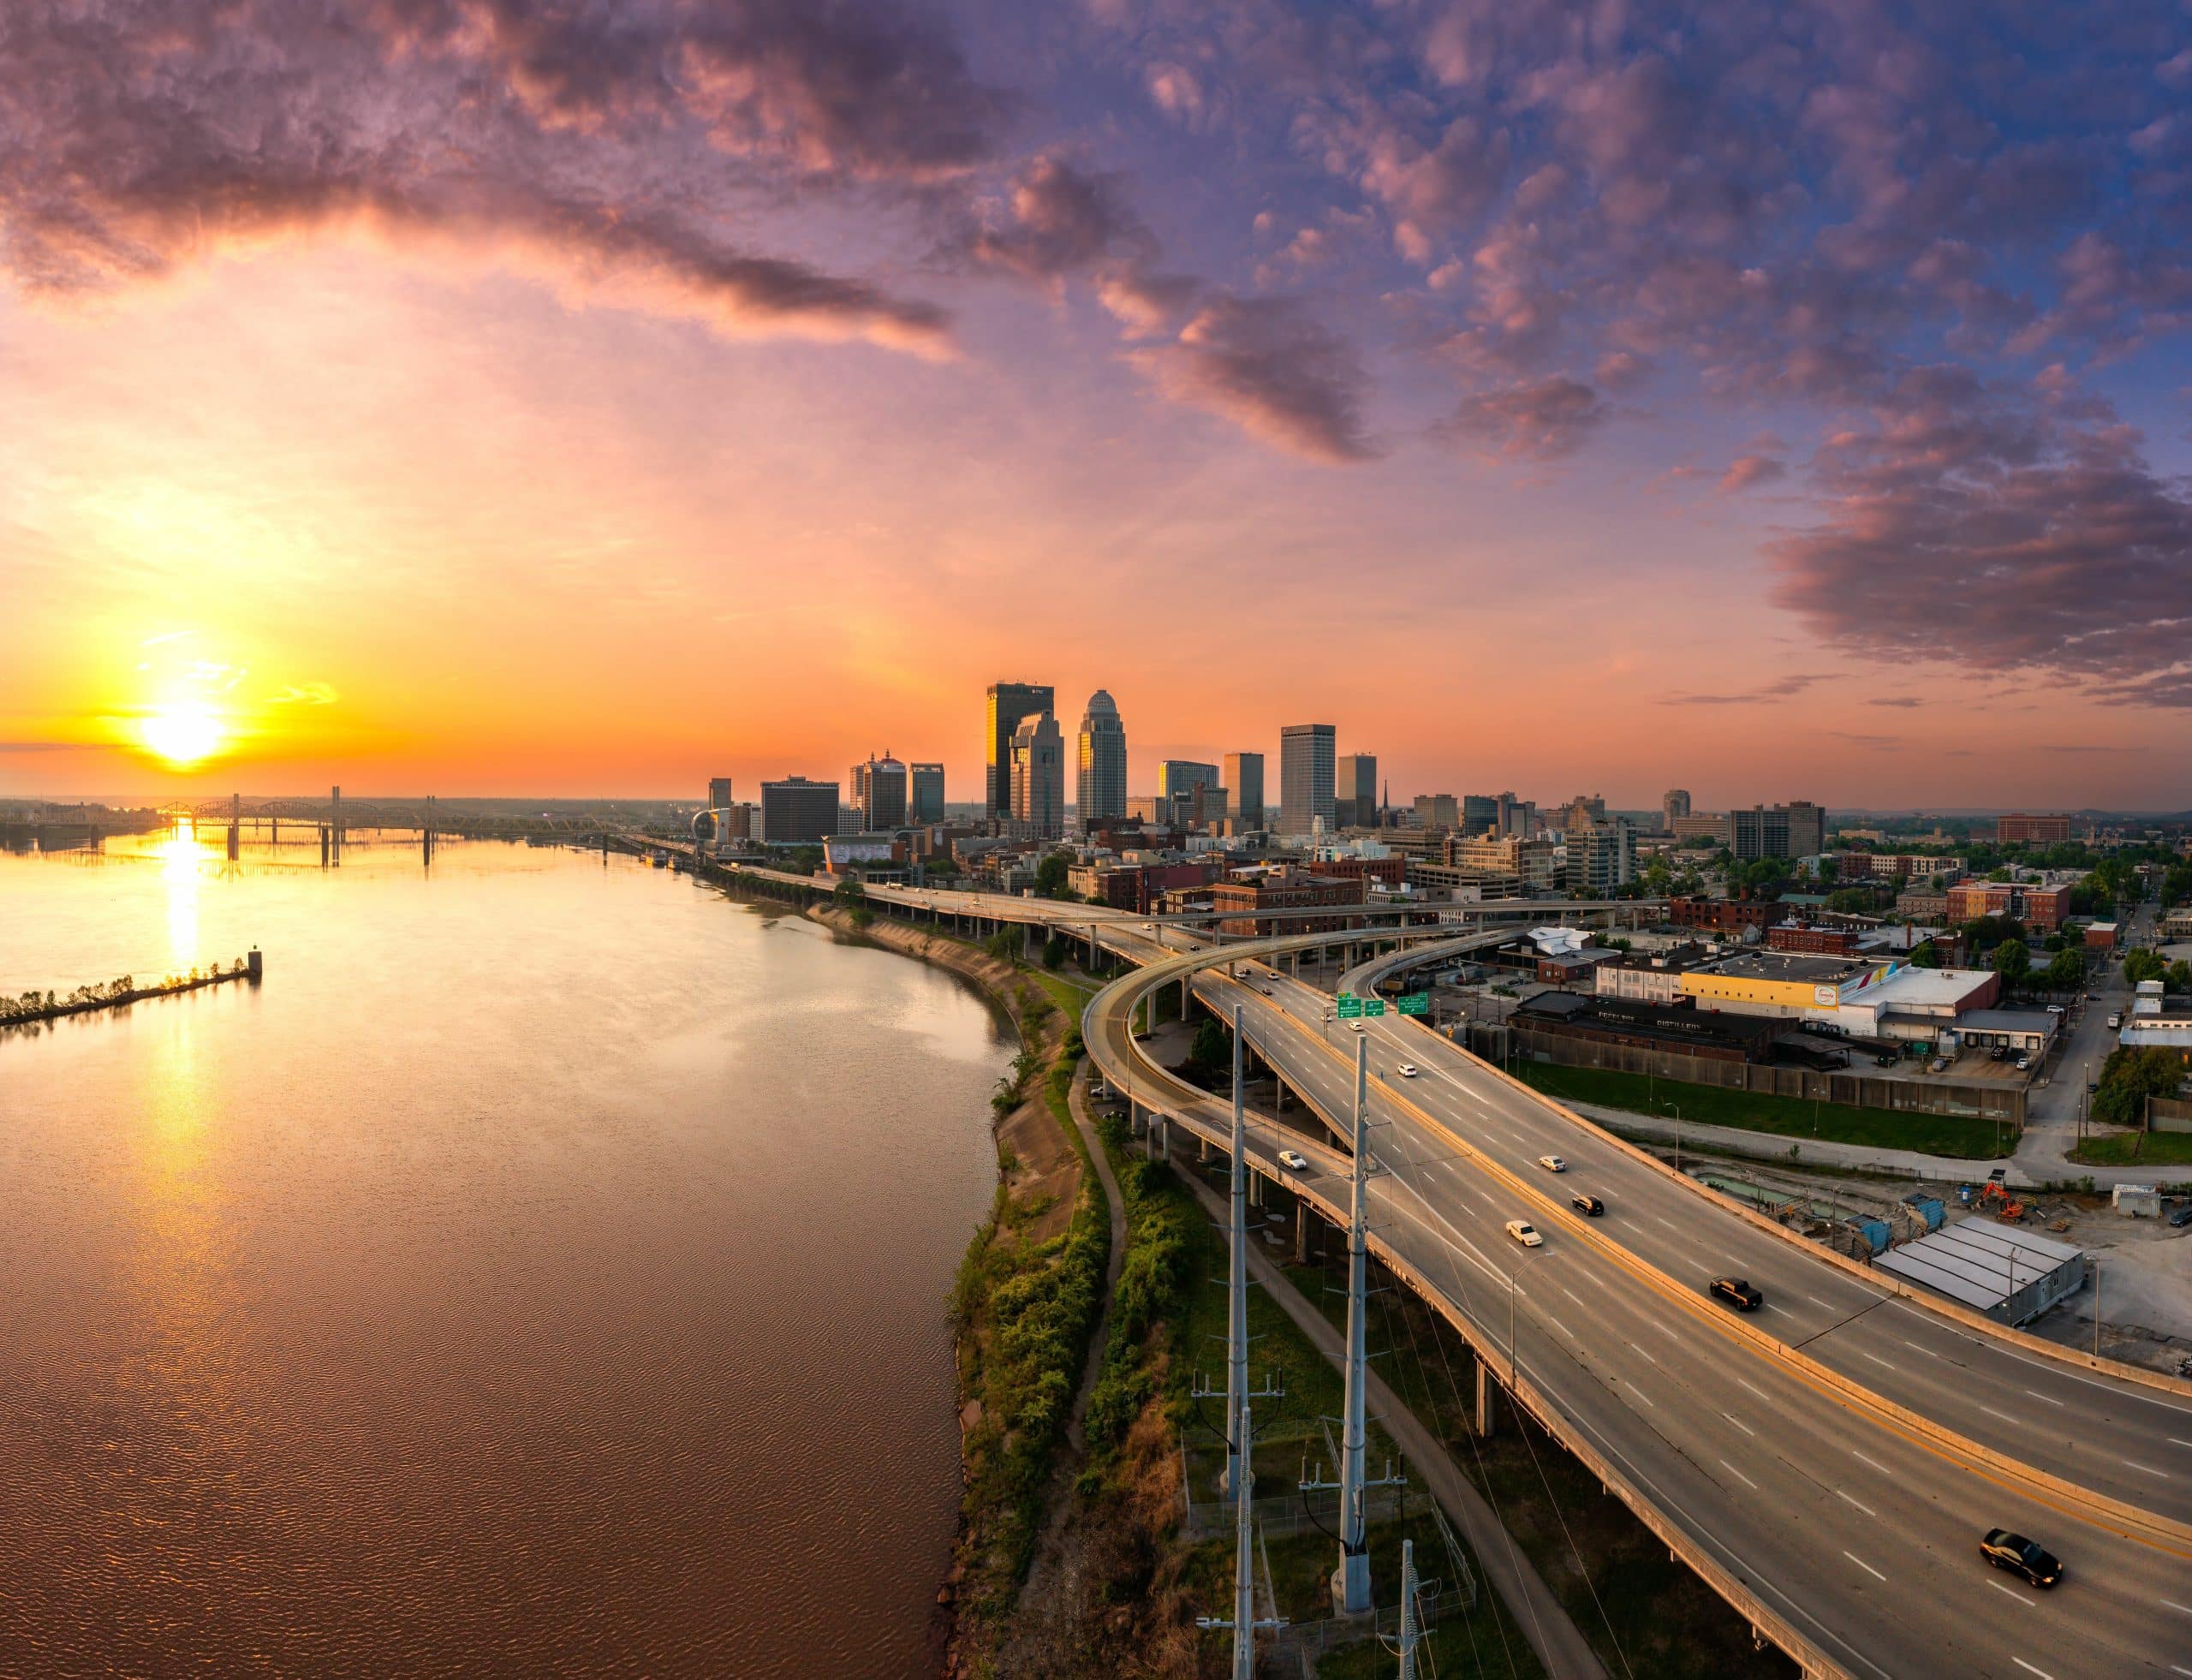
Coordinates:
<point>1243,901</point>
<point>1817,941</point>
<point>2020,827</point>
<point>2027,901</point>
<point>1727,915</point>
<point>1385,871</point>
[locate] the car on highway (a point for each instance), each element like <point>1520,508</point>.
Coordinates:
<point>1588,1204</point>
<point>1525,1233</point>
<point>1293,1160</point>
<point>1739,1293</point>
<point>1552,1164</point>
<point>1407,1070</point>
<point>2020,1557</point>
<point>1356,1026</point>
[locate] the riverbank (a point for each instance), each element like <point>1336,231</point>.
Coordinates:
<point>1030,1291</point>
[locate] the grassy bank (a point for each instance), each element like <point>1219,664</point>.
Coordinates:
<point>1957,1136</point>
<point>2135,1149</point>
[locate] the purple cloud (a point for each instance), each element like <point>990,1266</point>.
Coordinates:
<point>1748,470</point>
<point>1544,418</point>
<point>1265,364</point>
<point>628,144</point>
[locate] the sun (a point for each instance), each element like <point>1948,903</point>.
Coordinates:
<point>183,735</point>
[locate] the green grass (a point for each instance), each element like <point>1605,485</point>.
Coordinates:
<point>1958,1136</point>
<point>2135,1149</point>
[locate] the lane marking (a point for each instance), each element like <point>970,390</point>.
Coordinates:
<point>1875,1463</point>
<point>1860,1503</point>
<point>2019,1597</point>
<point>2030,1668</point>
<point>2004,1416</point>
<point>1739,1475</point>
<point>2149,1469</point>
<point>1760,1392</point>
<point>1885,1364</point>
<point>1783,1311</point>
<point>2173,1441</point>
<point>1816,1302</point>
<point>1561,1327</point>
<point>1867,1568</point>
<point>1631,1344</point>
<point>1645,1397</point>
<point>1669,1223</point>
<point>1663,1329</point>
<point>1928,1352</point>
<point>1739,1423</point>
<point>2049,1399</point>
<point>1572,1295</point>
<point>2173,1605</point>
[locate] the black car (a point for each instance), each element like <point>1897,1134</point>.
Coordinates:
<point>2020,1555</point>
<point>2181,1217</point>
<point>1586,1204</point>
<point>1738,1293</point>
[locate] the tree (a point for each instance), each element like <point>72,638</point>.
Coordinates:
<point>2067,972</point>
<point>1050,875</point>
<point>2179,977</point>
<point>848,893</point>
<point>2012,960</point>
<point>1054,950</point>
<point>1211,1050</point>
<point>2128,1078</point>
<point>2144,965</point>
<point>1925,956</point>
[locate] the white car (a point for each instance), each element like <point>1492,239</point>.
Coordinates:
<point>1407,1070</point>
<point>1293,1160</point>
<point>1356,1026</point>
<point>1552,1164</point>
<point>1525,1233</point>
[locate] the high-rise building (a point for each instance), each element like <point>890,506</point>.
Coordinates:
<point>1010,704</point>
<point>1100,779</point>
<point>1354,791</point>
<point>1583,810</point>
<point>925,794</point>
<point>1437,811</point>
<point>879,794</point>
<point>1479,813</point>
<point>1037,757</point>
<point>1306,768</point>
<point>1797,829</point>
<point>1601,856</point>
<point>718,793</point>
<point>1244,775</point>
<point>1518,818</point>
<point>795,812</point>
<point>1176,776</point>
<point>1674,803</point>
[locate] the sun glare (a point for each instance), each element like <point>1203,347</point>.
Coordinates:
<point>182,735</point>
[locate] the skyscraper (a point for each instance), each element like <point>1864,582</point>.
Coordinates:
<point>1674,803</point>
<point>1176,776</point>
<point>1354,791</point>
<point>718,793</point>
<point>797,812</point>
<point>1244,775</point>
<point>1306,768</point>
<point>1100,779</point>
<point>1479,812</point>
<point>1038,762</point>
<point>879,792</point>
<point>1010,704</point>
<point>925,793</point>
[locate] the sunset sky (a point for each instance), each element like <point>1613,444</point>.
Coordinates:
<point>480,396</point>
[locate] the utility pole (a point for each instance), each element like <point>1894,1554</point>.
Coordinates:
<point>1351,1580</point>
<point>1244,1623</point>
<point>1236,1293</point>
<point>1410,1634</point>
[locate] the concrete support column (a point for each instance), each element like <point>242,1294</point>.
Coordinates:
<point>1202,1151</point>
<point>1255,1189</point>
<point>1487,1399</point>
<point>1137,1122</point>
<point>1165,1139</point>
<point>1301,1231</point>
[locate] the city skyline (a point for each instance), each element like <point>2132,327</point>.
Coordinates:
<point>1788,408</point>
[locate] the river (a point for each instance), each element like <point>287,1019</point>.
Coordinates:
<point>542,1271</point>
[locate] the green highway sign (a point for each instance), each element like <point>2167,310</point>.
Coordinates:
<point>1373,1005</point>
<point>1415,1003</point>
<point>1351,1006</point>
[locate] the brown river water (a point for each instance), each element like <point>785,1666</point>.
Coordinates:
<point>543,1271</point>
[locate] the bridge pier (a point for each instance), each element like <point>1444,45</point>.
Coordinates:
<point>1202,1144</point>
<point>1137,1122</point>
<point>1487,1400</point>
<point>1165,1139</point>
<point>1255,1188</point>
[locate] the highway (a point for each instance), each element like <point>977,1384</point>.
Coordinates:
<point>1828,1464</point>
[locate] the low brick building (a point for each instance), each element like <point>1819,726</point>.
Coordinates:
<point>1727,915</point>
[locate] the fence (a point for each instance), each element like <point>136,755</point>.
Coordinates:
<point>2168,1114</point>
<point>2002,1102</point>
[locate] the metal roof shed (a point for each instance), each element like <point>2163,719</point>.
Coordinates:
<point>2010,1274</point>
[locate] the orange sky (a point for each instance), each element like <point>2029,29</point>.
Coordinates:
<point>594,429</point>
